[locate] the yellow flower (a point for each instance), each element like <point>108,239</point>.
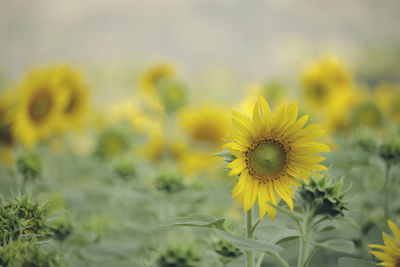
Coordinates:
<point>77,95</point>
<point>130,112</point>
<point>149,81</point>
<point>206,124</point>
<point>272,154</point>
<point>159,148</point>
<point>273,92</point>
<point>391,251</point>
<point>388,99</point>
<point>6,104</point>
<point>40,105</point>
<point>321,79</point>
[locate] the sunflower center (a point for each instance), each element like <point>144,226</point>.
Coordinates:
<point>398,262</point>
<point>266,159</point>
<point>40,106</point>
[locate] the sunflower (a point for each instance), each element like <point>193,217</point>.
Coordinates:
<point>149,81</point>
<point>388,99</point>
<point>206,124</point>
<point>77,95</point>
<point>40,105</point>
<point>322,79</point>
<point>6,137</point>
<point>391,251</point>
<point>271,154</point>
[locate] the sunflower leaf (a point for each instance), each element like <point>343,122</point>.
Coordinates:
<point>246,243</point>
<point>276,233</point>
<point>338,245</point>
<point>197,220</point>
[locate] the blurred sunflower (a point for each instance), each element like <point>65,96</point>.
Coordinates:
<point>274,92</point>
<point>322,79</point>
<point>336,117</point>
<point>391,251</point>
<point>388,99</point>
<point>6,136</point>
<point>130,112</point>
<point>154,75</point>
<point>40,105</point>
<point>272,154</point>
<point>76,93</point>
<point>158,148</point>
<point>206,124</point>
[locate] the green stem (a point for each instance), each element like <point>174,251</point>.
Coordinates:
<point>249,234</point>
<point>260,258</point>
<point>386,192</point>
<point>303,247</point>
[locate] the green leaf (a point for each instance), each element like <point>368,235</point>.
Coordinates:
<point>197,220</point>
<point>246,243</point>
<point>352,262</point>
<point>327,225</point>
<point>276,233</point>
<point>339,245</point>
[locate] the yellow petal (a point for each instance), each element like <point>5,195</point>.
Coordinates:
<point>250,195</point>
<point>394,230</point>
<point>283,193</point>
<point>241,184</point>
<point>237,166</point>
<point>266,112</point>
<point>263,196</point>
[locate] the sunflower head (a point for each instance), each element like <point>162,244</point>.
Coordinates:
<point>271,154</point>
<point>390,252</point>
<point>368,114</point>
<point>389,150</point>
<point>76,95</point>
<point>6,111</point>
<point>125,168</point>
<point>40,105</point>
<point>152,77</point>
<point>206,124</point>
<point>322,78</point>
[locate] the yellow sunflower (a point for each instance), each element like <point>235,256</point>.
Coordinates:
<point>322,79</point>
<point>388,99</point>
<point>149,81</point>
<point>40,105</point>
<point>206,124</point>
<point>272,154</point>
<point>391,251</point>
<point>6,136</point>
<point>77,95</point>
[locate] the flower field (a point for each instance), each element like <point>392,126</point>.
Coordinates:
<point>161,161</point>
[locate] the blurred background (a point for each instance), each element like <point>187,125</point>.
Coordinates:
<point>234,40</point>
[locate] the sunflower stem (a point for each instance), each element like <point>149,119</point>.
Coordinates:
<point>303,246</point>
<point>386,190</point>
<point>249,234</point>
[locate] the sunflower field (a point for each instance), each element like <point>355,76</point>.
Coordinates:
<point>199,133</point>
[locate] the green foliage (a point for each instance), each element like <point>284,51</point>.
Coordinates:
<point>125,169</point>
<point>29,254</point>
<point>112,142</point>
<point>173,94</point>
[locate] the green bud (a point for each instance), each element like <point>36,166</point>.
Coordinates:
<point>324,196</point>
<point>112,142</point>
<point>170,181</point>
<point>173,94</point>
<point>22,218</point>
<point>178,256</point>
<point>390,150</point>
<point>366,140</point>
<point>29,164</point>
<point>125,169</point>
<point>226,250</point>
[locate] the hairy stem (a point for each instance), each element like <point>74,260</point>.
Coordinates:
<point>249,234</point>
